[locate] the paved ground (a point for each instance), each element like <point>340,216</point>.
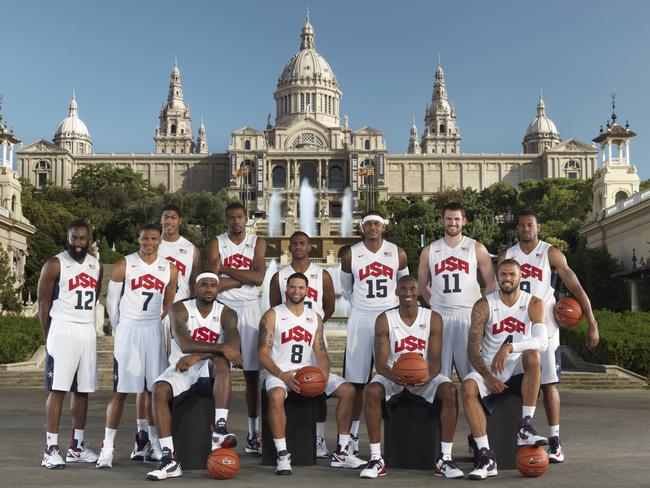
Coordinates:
<point>606,436</point>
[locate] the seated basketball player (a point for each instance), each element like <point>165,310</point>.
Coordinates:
<point>205,343</point>
<point>288,334</point>
<point>409,328</point>
<point>506,338</point>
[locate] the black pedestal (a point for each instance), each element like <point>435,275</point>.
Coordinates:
<point>191,429</point>
<point>502,428</point>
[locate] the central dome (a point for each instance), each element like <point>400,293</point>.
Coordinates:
<point>72,125</point>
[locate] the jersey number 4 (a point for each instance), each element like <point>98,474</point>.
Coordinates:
<point>88,304</point>
<point>377,288</point>
<point>448,278</point>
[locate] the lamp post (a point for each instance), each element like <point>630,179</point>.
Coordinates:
<point>368,171</point>
<point>243,171</point>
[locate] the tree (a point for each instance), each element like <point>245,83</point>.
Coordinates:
<point>644,185</point>
<point>9,294</point>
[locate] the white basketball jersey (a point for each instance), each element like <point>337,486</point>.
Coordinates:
<point>510,324</point>
<point>375,277</point>
<point>144,289</point>
<point>404,338</point>
<point>314,298</point>
<point>75,293</point>
<point>536,272</point>
<point>293,339</point>
<point>454,283</point>
<point>181,254</point>
<point>204,329</point>
<point>238,256</point>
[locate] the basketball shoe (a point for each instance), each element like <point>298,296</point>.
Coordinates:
<point>555,452</point>
<point>153,454</point>
<point>447,468</point>
<point>52,459</point>
<point>321,447</point>
<point>80,454</point>
<point>376,467</point>
<point>221,437</point>
<point>527,435</point>
<point>484,466</point>
<point>284,463</point>
<point>354,444</point>
<point>341,459</point>
<point>168,467</point>
<point>141,445</point>
<point>254,444</point>
<point>105,459</point>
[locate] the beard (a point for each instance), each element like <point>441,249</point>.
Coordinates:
<point>206,301</point>
<point>295,302</point>
<point>77,256</point>
<point>509,291</point>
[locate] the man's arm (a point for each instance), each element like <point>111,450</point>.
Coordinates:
<point>486,269</point>
<point>265,347</point>
<point>424,275</point>
<point>255,275</point>
<point>170,290</point>
<point>213,264</point>
<point>329,298</point>
<point>434,345</point>
<point>320,350</point>
<point>114,294</point>
<point>46,283</point>
<point>346,277</point>
<point>403,263</point>
<point>275,296</point>
<point>196,264</point>
<point>558,263</point>
<point>480,315</point>
<point>382,348</point>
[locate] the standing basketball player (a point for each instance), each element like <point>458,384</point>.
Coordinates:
<point>320,296</point>
<point>410,328</point>
<point>140,292</point>
<point>448,281</point>
<point>239,258</point>
<point>506,337</point>
<point>205,342</point>
<point>187,259</point>
<point>289,334</point>
<point>68,288</point>
<point>369,273</point>
<point>539,260</point>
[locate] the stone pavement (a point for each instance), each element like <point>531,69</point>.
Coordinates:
<point>606,437</point>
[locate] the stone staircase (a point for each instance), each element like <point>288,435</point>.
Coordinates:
<point>30,374</point>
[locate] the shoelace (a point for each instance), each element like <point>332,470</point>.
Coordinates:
<point>483,462</point>
<point>450,463</point>
<point>374,463</point>
<point>165,461</point>
<point>554,444</point>
<point>141,440</point>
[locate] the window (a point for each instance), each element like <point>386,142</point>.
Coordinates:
<point>302,102</point>
<point>620,196</point>
<point>367,145</point>
<point>173,129</point>
<point>279,177</point>
<point>42,179</point>
<point>572,169</point>
<point>336,178</point>
<point>336,210</point>
<point>308,172</point>
<point>442,128</point>
<point>13,203</point>
<point>307,140</point>
<point>247,145</point>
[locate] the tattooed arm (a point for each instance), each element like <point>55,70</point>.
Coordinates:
<point>320,349</point>
<point>480,315</point>
<point>265,348</point>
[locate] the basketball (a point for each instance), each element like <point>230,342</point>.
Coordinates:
<point>532,461</point>
<point>567,312</point>
<point>311,381</point>
<point>410,368</point>
<point>223,463</point>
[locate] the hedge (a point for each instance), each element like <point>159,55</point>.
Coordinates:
<point>19,338</point>
<point>624,340</point>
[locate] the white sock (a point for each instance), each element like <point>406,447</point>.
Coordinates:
<point>153,435</point>
<point>167,442</point>
<point>320,429</point>
<point>344,440</point>
<point>527,411</point>
<point>375,450</point>
<point>445,448</point>
<point>280,444</point>
<point>554,430</point>
<point>253,425</point>
<point>52,439</point>
<point>482,442</point>
<point>354,430</point>
<point>78,435</point>
<point>142,424</point>
<point>220,413</point>
<point>109,437</point>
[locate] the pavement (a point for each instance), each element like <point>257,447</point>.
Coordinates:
<point>605,434</point>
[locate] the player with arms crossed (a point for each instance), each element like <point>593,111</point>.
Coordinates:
<point>320,296</point>
<point>506,338</point>
<point>539,261</point>
<point>238,258</point>
<point>140,292</point>
<point>369,273</point>
<point>289,333</point>
<point>410,328</point>
<point>205,342</point>
<point>68,288</point>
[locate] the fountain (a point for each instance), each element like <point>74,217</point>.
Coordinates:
<point>275,214</point>
<point>307,209</point>
<point>346,213</point>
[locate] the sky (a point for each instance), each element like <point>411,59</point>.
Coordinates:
<point>497,56</point>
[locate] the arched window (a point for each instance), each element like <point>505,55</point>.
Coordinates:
<point>572,169</point>
<point>279,177</point>
<point>336,178</point>
<point>367,145</point>
<point>308,172</point>
<point>42,170</point>
<point>620,196</point>
<point>173,129</point>
<point>442,128</point>
<point>247,145</point>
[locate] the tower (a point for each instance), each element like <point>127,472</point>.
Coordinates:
<point>201,146</point>
<point>541,133</point>
<point>7,140</point>
<point>441,136</point>
<point>414,145</point>
<point>72,134</point>
<point>175,132</point>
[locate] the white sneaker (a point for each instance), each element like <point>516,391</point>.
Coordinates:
<point>527,435</point>
<point>341,459</point>
<point>221,437</point>
<point>105,459</point>
<point>168,467</point>
<point>52,459</point>
<point>485,465</point>
<point>375,468</point>
<point>153,454</point>
<point>284,463</point>
<point>141,446</point>
<point>321,447</point>
<point>448,468</point>
<point>254,444</point>
<point>81,455</point>
<point>354,444</point>
<point>555,452</point>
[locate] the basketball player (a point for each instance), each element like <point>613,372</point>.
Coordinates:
<point>68,288</point>
<point>539,260</point>
<point>205,342</point>
<point>140,292</point>
<point>409,328</point>
<point>320,296</point>
<point>289,334</point>
<point>187,259</point>
<point>506,338</point>
<point>369,273</point>
<point>238,258</point>
<point>447,278</point>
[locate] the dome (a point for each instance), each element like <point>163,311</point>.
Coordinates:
<point>541,124</point>
<point>72,125</point>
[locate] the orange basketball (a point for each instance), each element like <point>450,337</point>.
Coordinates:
<point>223,463</point>
<point>532,461</point>
<point>567,312</point>
<point>311,381</point>
<point>410,368</point>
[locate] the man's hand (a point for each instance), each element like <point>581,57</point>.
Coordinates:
<point>424,381</point>
<point>494,384</point>
<point>186,362</point>
<point>593,337</point>
<point>232,355</point>
<point>289,377</point>
<point>499,361</point>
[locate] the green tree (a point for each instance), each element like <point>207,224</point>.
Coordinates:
<point>644,185</point>
<point>9,295</point>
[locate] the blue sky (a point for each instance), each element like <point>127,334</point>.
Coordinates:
<point>497,56</point>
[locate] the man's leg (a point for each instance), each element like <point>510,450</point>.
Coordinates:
<point>485,464</point>
<point>375,394</point>
<point>344,393</point>
<point>253,441</point>
<point>78,452</point>
<point>526,434</point>
<point>220,371</point>
<point>278,423</point>
<point>114,412</point>
<point>51,456</point>
<point>321,418</point>
<point>168,467</point>
<point>445,466</point>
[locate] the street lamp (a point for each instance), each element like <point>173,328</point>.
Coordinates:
<point>243,171</point>
<point>368,171</point>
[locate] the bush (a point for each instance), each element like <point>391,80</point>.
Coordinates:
<point>624,340</point>
<point>19,338</point>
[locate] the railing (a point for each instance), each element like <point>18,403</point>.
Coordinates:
<point>625,204</point>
